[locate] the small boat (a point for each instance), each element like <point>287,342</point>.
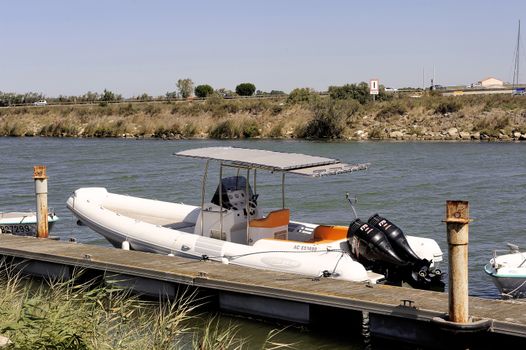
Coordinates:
<point>23,223</point>
<point>508,272</point>
<point>233,229</point>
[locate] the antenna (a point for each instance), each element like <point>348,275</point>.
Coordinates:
<point>348,196</point>
<point>515,81</point>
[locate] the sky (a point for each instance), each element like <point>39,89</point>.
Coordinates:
<point>134,47</point>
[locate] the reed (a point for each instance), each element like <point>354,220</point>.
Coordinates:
<point>90,315</point>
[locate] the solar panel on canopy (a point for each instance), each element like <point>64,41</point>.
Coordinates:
<point>257,158</point>
<point>295,163</point>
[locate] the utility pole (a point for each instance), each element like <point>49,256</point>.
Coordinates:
<point>423,78</point>
<point>515,81</point>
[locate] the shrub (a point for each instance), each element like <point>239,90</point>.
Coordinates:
<point>276,109</point>
<point>203,91</point>
<point>166,132</point>
<point>249,128</point>
<point>376,133</point>
<point>15,128</point>
<point>245,89</point>
<point>99,129</point>
<point>301,95</point>
<point>126,110</point>
<point>152,109</point>
<point>189,130</point>
<point>449,106</point>
<point>224,130</point>
<point>491,126</point>
<point>359,92</point>
<point>276,131</point>
<point>391,109</point>
<point>254,106</point>
<point>219,107</point>
<point>60,128</point>
<point>329,121</point>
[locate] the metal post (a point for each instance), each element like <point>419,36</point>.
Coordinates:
<point>39,175</point>
<point>457,222</point>
<point>283,190</point>
<point>203,186</point>
<point>255,184</point>
<point>220,200</point>
<point>247,199</point>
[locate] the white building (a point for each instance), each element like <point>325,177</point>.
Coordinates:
<point>491,82</point>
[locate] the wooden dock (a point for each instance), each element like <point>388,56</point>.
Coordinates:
<point>394,312</point>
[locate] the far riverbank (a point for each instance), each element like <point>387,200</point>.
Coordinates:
<point>299,116</point>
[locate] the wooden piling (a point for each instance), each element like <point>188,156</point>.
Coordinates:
<point>39,175</point>
<point>457,222</point>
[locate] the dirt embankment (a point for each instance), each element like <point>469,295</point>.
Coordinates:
<point>400,118</point>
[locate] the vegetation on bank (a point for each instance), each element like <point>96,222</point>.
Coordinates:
<point>347,112</point>
<point>66,315</point>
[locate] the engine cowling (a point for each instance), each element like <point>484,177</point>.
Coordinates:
<point>382,246</point>
<point>369,243</point>
<point>396,237</point>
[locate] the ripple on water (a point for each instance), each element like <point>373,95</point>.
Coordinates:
<point>407,182</point>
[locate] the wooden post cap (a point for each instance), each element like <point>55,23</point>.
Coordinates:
<point>457,212</point>
<point>39,172</point>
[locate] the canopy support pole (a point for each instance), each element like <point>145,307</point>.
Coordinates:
<point>283,190</point>
<point>220,199</point>
<point>247,199</point>
<point>203,185</point>
<point>255,188</point>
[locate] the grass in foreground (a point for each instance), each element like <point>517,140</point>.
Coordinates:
<point>66,315</point>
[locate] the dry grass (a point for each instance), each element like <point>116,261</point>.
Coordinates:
<point>222,118</point>
<point>68,315</point>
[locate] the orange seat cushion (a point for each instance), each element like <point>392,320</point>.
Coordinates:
<point>275,218</point>
<point>329,233</point>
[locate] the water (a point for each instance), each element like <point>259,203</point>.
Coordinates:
<point>408,183</point>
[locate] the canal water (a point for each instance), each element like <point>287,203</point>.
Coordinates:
<point>406,182</point>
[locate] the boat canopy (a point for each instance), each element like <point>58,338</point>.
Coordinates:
<point>294,163</point>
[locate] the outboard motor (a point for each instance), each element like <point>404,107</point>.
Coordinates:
<point>369,243</point>
<point>419,272</point>
<point>395,236</point>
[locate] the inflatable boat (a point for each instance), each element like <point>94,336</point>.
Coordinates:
<point>233,229</point>
<point>508,272</point>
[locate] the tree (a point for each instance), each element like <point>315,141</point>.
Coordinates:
<point>300,95</point>
<point>185,87</point>
<point>203,91</point>
<point>171,95</point>
<point>107,96</point>
<point>359,92</point>
<point>90,96</point>
<point>245,89</point>
<point>144,97</point>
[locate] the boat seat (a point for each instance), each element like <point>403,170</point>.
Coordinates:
<point>274,225</point>
<point>326,234</point>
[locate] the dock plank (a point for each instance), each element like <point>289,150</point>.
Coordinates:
<point>509,315</point>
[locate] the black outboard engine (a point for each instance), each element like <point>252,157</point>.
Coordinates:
<point>383,247</point>
<point>395,236</point>
<point>369,243</point>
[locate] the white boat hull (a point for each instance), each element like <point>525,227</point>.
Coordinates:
<point>152,226</point>
<point>508,273</point>
<point>22,223</point>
